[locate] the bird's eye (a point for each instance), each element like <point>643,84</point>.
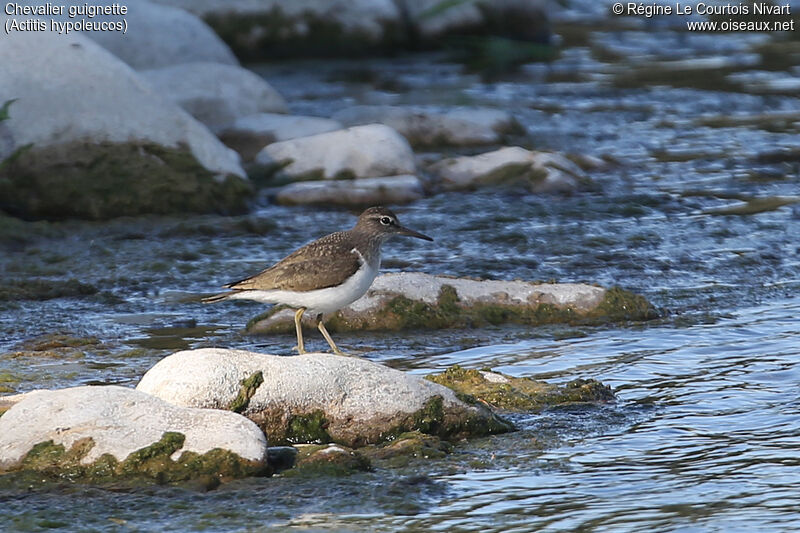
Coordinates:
<point>386,221</point>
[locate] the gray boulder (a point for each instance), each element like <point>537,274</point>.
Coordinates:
<point>99,142</point>
<point>540,171</point>
<point>522,19</point>
<point>416,300</point>
<point>159,36</point>
<point>361,152</point>
<point>428,126</point>
<point>256,27</point>
<point>215,94</point>
<point>119,430</point>
<point>316,397</point>
<point>361,192</point>
<point>248,135</point>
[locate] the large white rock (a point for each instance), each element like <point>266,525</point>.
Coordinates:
<point>367,151</point>
<point>361,192</point>
<point>248,135</point>
<point>120,421</point>
<point>159,36</point>
<point>76,101</point>
<point>216,94</point>
<point>427,126</point>
<point>542,171</point>
<point>361,401</point>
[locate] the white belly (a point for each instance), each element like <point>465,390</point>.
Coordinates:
<point>325,300</point>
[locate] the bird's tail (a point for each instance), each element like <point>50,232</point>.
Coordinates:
<point>217,297</point>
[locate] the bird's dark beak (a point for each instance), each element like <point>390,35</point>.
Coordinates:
<point>411,233</point>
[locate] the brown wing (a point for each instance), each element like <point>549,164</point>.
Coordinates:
<point>324,263</point>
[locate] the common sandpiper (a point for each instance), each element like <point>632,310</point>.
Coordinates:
<point>324,275</point>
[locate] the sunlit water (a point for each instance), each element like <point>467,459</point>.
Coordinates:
<point>706,430</point>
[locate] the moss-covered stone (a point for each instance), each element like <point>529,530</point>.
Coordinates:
<point>328,460</point>
<point>249,387</point>
<point>56,346</point>
<point>449,312</point>
<point>308,428</point>
<point>433,419</point>
<point>153,462</point>
<point>44,289</point>
<point>407,447</point>
<point>99,181</point>
<point>519,394</point>
<point>619,305</point>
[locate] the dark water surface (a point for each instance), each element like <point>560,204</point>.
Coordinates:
<point>696,212</point>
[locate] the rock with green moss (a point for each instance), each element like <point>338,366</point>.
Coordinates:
<point>427,126</point>
<point>328,460</point>
<point>139,153</point>
<point>367,151</point>
<point>103,433</point>
<point>519,394</point>
<point>416,300</point>
<point>539,171</point>
<point>318,398</point>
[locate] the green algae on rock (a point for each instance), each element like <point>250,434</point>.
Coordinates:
<point>519,394</point>
<point>413,300</point>
<point>249,387</point>
<point>106,432</point>
<point>152,462</point>
<point>105,180</point>
<point>328,460</point>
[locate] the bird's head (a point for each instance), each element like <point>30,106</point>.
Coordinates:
<point>382,221</point>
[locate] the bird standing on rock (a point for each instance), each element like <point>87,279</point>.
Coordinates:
<point>324,275</point>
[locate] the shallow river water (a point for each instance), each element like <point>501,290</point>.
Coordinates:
<point>696,211</point>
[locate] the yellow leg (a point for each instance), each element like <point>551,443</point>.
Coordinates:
<point>297,316</point>
<point>327,336</point>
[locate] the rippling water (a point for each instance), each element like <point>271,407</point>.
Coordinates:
<point>705,433</point>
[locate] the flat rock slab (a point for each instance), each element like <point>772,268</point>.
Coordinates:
<point>508,393</point>
<point>428,126</point>
<point>540,171</point>
<point>368,151</point>
<point>353,193</point>
<point>417,300</point>
<point>111,431</point>
<point>316,398</point>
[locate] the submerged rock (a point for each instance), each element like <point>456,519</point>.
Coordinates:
<point>328,460</point>
<point>508,393</point>
<point>99,433</point>
<point>361,152</point>
<point>540,171</point>
<point>417,300</point>
<point>318,398</point>
<point>361,192</point>
<point>160,36</point>
<point>137,154</point>
<point>427,126</point>
<point>214,93</point>
<point>248,135</point>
